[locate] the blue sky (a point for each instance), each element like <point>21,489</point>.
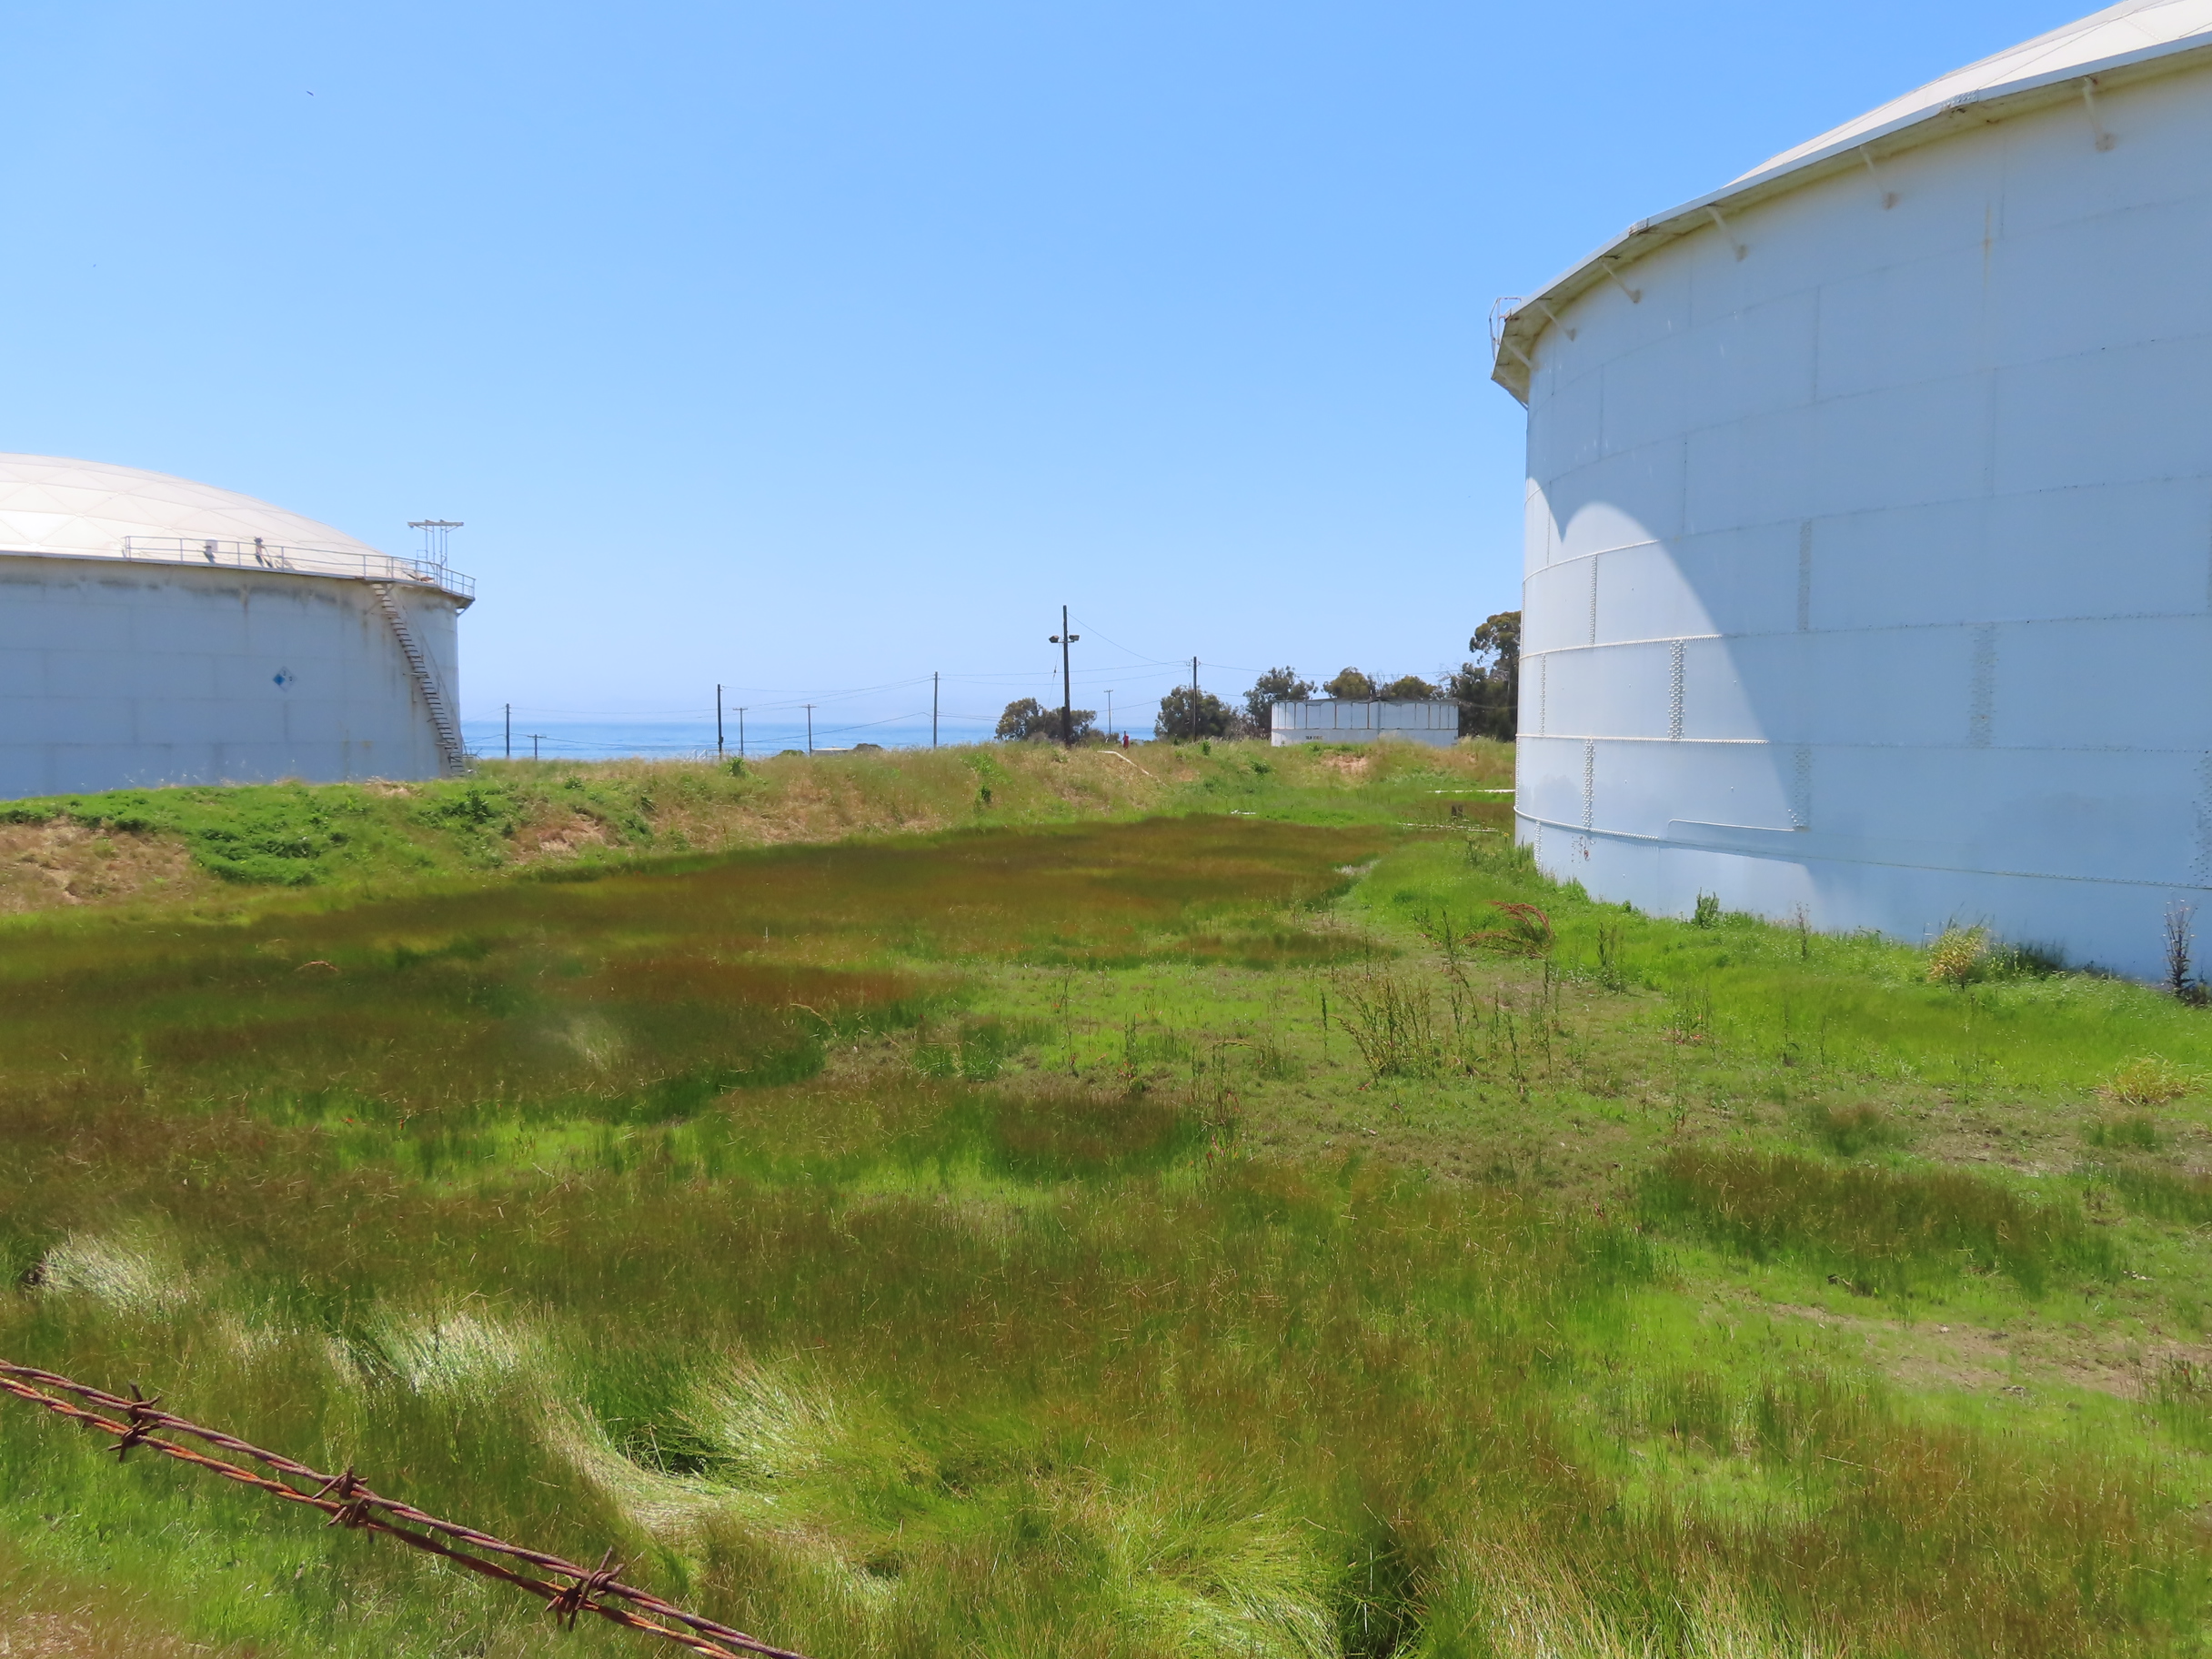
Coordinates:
<point>813,346</point>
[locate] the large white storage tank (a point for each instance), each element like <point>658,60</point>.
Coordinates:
<point>157,631</point>
<point>1869,516</point>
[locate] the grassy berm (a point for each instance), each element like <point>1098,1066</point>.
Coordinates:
<point>994,1203</point>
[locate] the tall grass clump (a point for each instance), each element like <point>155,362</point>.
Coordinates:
<point>1869,1546</point>
<point>2130,1131</point>
<point>1849,1130</point>
<point>2162,1194</point>
<point>1882,1230</point>
<point>2180,1390</point>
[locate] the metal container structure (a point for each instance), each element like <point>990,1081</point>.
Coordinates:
<point>157,631</point>
<point>1869,517</point>
<point>1330,719</point>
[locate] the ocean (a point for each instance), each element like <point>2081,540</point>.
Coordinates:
<point>691,740</point>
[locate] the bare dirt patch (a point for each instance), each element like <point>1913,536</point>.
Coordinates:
<point>563,840</point>
<point>43,866</point>
<point>1931,1353</point>
<point>49,1635</point>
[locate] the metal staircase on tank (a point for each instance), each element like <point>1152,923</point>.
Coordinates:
<point>455,757</point>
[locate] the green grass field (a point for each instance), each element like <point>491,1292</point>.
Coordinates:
<point>992,1204</point>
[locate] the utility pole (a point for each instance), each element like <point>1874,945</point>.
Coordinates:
<point>1067,696</point>
<point>1110,714</point>
<point>933,679</point>
<point>533,737</point>
<point>718,722</point>
<point>810,728</point>
<point>741,731</point>
<point>510,729</point>
<point>1193,700</point>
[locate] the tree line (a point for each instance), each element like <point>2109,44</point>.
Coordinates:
<point>1486,687</point>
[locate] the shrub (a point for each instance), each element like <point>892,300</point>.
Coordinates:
<point>2179,937</point>
<point>1959,957</point>
<point>1350,686</point>
<point>1392,1021</point>
<point>1275,686</point>
<point>2147,1081</point>
<point>1027,720</point>
<point>1408,688</point>
<point>1186,715</point>
<point>2008,960</point>
<point>475,807</point>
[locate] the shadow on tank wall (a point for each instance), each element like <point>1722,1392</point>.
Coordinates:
<point>117,676</point>
<point>1869,544</point>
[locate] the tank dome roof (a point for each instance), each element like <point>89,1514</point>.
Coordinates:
<point>2135,38</point>
<point>52,505</point>
<point>2120,31</point>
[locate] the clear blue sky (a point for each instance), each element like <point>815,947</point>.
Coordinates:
<point>822,345</point>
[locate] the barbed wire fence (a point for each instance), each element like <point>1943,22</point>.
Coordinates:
<point>349,1503</point>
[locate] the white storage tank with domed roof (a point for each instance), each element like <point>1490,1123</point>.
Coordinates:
<point>1869,517</point>
<point>157,631</point>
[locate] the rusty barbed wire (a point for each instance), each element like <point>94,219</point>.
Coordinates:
<point>351,1503</point>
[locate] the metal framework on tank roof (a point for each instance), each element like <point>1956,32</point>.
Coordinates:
<point>262,555</point>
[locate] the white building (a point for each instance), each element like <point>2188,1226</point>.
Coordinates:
<point>1329,719</point>
<point>157,631</point>
<point>1869,516</point>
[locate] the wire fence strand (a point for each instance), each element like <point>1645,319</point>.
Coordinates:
<point>351,1503</point>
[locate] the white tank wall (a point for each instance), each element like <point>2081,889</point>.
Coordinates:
<point>1872,572</point>
<point>116,675</point>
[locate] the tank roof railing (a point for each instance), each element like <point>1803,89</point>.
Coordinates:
<point>359,565</point>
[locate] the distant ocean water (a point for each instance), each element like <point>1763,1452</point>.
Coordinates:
<point>682,739</point>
